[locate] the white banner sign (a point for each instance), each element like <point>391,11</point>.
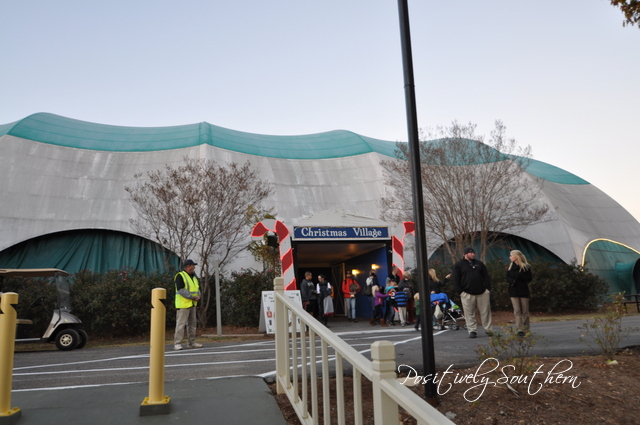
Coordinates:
<point>268,310</point>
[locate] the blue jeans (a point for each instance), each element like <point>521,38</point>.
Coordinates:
<point>351,308</point>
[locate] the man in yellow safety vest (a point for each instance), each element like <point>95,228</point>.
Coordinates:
<point>187,296</point>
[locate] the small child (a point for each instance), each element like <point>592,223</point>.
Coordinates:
<point>416,297</point>
<point>401,303</point>
<point>391,304</point>
<point>377,306</point>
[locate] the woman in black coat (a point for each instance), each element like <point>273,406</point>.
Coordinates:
<point>518,277</point>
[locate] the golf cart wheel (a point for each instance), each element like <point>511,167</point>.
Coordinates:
<point>67,339</point>
<point>84,338</point>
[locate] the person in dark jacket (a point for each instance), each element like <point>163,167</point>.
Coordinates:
<point>518,277</point>
<point>308,294</point>
<point>393,279</point>
<point>372,281</point>
<point>471,280</point>
<point>390,312</point>
<point>406,286</point>
<point>434,283</point>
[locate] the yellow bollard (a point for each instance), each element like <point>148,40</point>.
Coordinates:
<point>157,403</point>
<point>7,347</point>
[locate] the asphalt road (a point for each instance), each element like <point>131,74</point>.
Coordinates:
<point>102,366</point>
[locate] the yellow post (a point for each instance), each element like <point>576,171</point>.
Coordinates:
<point>7,347</point>
<point>157,403</point>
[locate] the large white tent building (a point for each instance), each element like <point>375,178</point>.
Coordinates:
<point>64,204</point>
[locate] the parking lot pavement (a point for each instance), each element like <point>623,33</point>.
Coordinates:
<point>232,400</point>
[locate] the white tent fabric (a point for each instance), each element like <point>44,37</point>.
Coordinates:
<point>49,186</point>
<point>340,217</point>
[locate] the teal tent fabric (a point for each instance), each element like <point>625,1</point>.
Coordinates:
<point>501,251</point>
<point>91,249</point>
<point>615,263</point>
<point>62,131</point>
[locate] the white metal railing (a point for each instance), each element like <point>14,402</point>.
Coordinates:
<point>297,371</point>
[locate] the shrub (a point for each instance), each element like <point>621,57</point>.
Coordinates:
<point>30,290</point>
<point>241,296</point>
<point>516,353</point>
<point>607,331</point>
<point>554,287</point>
<point>118,303</point>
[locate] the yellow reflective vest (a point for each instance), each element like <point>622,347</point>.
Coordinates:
<point>192,285</point>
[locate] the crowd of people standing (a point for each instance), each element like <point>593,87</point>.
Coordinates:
<point>398,300</point>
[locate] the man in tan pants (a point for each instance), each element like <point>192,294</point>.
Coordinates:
<point>471,280</point>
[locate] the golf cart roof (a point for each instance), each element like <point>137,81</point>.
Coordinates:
<point>32,272</point>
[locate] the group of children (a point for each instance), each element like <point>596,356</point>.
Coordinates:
<point>393,298</point>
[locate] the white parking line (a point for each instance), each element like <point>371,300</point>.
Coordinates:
<point>199,352</point>
<point>120,369</point>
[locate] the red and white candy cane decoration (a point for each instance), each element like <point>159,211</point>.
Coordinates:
<point>286,253</point>
<point>397,244</point>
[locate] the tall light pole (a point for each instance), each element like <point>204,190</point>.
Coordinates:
<point>428,355</point>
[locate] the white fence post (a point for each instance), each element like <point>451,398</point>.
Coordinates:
<point>282,358</point>
<point>383,356</point>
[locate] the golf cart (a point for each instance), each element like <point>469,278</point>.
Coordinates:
<point>64,329</point>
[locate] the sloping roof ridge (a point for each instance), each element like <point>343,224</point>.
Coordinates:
<point>8,128</point>
<point>362,138</point>
<point>54,129</point>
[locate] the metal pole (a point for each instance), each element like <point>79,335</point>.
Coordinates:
<point>428,356</point>
<point>218,302</point>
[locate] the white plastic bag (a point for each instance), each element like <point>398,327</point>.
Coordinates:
<point>438,312</point>
<point>327,303</point>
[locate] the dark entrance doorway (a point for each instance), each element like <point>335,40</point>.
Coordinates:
<point>335,258</point>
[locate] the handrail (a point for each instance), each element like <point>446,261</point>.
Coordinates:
<point>296,369</point>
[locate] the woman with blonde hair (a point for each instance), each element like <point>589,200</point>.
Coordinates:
<point>518,277</point>
<point>435,285</point>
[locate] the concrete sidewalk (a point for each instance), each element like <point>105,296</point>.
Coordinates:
<point>236,400</point>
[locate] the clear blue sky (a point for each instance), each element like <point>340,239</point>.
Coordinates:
<point>562,75</point>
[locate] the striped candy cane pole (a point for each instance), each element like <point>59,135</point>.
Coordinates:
<point>397,244</point>
<point>286,253</point>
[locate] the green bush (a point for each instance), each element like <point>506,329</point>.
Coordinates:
<point>241,296</point>
<point>30,290</point>
<point>555,287</point>
<point>118,303</point>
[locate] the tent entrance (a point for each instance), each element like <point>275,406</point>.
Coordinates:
<point>335,258</point>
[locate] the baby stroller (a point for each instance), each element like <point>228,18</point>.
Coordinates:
<point>451,312</point>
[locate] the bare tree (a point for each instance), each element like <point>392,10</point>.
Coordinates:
<point>473,191</point>
<point>199,209</point>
